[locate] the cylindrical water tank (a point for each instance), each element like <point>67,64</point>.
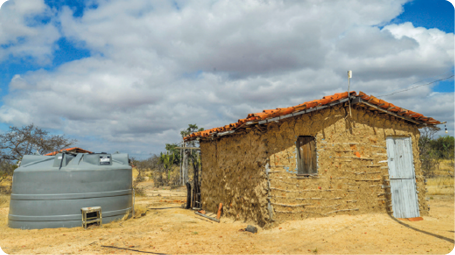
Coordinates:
<point>49,191</point>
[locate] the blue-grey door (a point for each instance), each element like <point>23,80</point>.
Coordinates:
<point>405,202</point>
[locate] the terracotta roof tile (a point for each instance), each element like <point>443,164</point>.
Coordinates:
<point>77,149</point>
<point>272,113</point>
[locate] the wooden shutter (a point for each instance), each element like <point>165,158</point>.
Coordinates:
<point>306,147</point>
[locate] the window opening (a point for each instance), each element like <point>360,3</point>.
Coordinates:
<point>306,156</point>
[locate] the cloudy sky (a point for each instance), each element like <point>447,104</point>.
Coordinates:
<point>129,75</point>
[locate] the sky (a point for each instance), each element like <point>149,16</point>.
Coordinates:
<point>130,75</point>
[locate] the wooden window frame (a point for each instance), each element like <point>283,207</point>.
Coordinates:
<point>298,158</point>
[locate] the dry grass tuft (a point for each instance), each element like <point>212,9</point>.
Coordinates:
<point>139,210</point>
<point>5,185</point>
<point>4,200</point>
<point>139,192</point>
<point>445,167</point>
<point>116,223</point>
<point>443,185</point>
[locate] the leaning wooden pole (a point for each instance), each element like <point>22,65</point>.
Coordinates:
<point>181,169</point>
<point>208,217</point>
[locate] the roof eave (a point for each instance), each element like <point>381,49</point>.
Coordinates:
<point>358,100</point>
<point>353,99</point>
<point>266,121</point>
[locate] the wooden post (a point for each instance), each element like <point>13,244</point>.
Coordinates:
<point>218,215</point>
<point>181,169</point>
<point>185,165</point>
<point>134,200</point>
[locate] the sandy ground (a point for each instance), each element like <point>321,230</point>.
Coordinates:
<point>176,230</point>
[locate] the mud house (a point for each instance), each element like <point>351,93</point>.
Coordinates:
<point>336,155</point>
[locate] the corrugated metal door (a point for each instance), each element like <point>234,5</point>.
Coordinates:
<point>405,202</point>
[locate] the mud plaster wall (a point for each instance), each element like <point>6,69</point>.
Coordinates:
<point>352,167</point>
<point>233,174</point>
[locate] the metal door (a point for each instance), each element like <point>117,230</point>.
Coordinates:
<point>405,202</point>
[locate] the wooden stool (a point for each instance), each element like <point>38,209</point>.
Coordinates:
<point>91,215</point>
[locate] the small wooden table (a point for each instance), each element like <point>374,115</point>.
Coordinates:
<point>91,215</point>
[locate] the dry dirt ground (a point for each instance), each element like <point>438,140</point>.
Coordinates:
<point>176,230</point>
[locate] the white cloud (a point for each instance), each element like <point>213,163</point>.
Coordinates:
<point>156,68</point>
<point>22,34</point>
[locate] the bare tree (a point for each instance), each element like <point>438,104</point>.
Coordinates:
<point>18,142</point>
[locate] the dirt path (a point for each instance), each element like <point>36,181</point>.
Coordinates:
<point>176,230</point>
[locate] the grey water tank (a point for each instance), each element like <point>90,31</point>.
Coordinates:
<point>49,191</point>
